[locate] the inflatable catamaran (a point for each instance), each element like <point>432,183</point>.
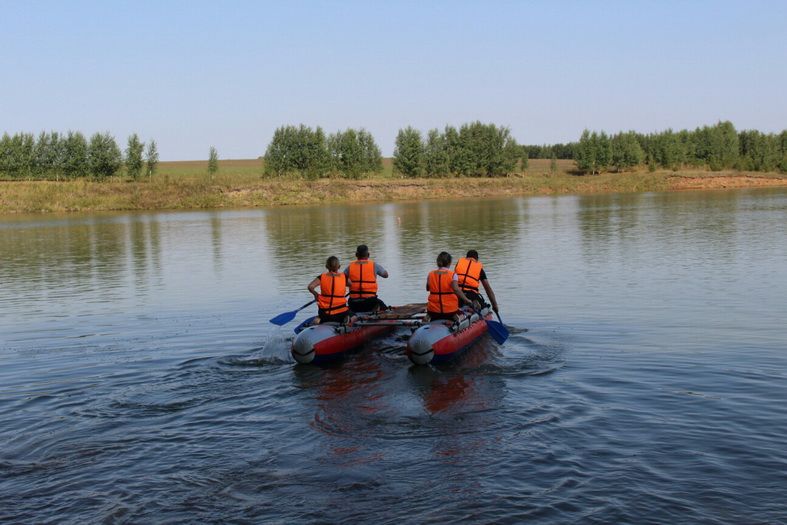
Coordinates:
<point>431,342</point>
<point>325,342</point>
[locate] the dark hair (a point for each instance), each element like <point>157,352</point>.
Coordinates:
<point>332,263</point>
<point>444,259</point>
<point>362,251</point>
<point>472,253</point>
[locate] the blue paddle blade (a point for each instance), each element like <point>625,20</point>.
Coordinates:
<point>498,332</point>
<point>284,318</point>
<point>301,327</point>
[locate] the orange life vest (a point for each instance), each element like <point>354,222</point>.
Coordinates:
<point>332,286</point>
<point>442,298</point>
<point>363,281</point>
<point>469,273</point>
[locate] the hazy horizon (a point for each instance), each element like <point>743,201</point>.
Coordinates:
<point>194,74</point>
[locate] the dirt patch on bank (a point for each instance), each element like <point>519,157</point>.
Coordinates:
<point>725,182</point>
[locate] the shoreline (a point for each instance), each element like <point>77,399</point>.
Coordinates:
<point>166,192</point>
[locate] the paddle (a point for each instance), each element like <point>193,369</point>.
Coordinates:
<point>306,322</point>
<point>497,330</point>
<point>286,317</point>
<point>500,328</point>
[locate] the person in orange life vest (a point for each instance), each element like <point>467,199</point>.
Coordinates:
<point>471,272</point>
<point>362,274</point>
<point>444,292</point>
<point>331,303</point>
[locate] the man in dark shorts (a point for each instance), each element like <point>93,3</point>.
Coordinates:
<point>471,273</point>
<point>362,274</point>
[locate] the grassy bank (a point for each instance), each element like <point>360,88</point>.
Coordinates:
<point>185,185</point>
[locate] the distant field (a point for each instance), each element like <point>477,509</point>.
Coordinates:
<point>251,168</point>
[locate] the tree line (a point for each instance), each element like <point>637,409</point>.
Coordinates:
<point>550,151</point>
<point>473,150</point>
<point>54,155</point>
<point>312,154</point>
<point>715,147</point>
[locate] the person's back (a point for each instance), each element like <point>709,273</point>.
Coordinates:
<point>444,292</point>
<point>331,301</point>
<point>470,273</point>
<point>362,274</point>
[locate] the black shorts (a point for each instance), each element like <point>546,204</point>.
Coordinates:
<point>474,296</point>
<point>367,304</point>
<point>332,318</point>
<point>437,316</point>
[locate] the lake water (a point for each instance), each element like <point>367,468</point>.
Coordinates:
<point>141,382</point>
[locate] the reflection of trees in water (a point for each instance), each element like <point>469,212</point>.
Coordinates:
<point>138,232</point>
<point>403,237</point>
<point>704,219</point>
<point>607,221</point>
<point>457,226</point>
<point>429,227</point>
<point>81,256</point>
<point>302,238</point>
<point>215,238</point>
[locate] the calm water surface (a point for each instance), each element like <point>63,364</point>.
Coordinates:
<point>141,382</point>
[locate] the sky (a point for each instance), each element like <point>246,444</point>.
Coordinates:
<point>195,74</point>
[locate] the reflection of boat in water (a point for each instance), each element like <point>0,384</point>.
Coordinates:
<point>326,342</point>
<point>458,388</point>
<point>442,341</point>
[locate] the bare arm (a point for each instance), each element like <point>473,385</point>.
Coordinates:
<point>459,293</point>
<point>490,293</point>
<point>312,285</point>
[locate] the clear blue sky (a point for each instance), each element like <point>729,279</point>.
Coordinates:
<point>193,74</point>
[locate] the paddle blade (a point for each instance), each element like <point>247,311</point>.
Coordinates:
<point>498,332</point>
<point>284,318</point>
<point>301,327</point>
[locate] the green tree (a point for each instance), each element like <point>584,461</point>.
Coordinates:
<point>668,150</point>
<point>104,155</point>
<point>151,158</point>
<point>75,156</point>
<point>626,151</point>
<point>298,150</point>
<point>553,165</point>
<point>353,153</point>
<point>44,155</point>
<point>409,155</point>
<point>483,150</point>
<point>651,163</point>
<point>603,152</point>
<point>783,150</point>
<point>345,152</point>
<point>585,153</point>
<point>6,156</point>
<point>213,162</point>
<point>758,151</point>
<point>436,159</point>
<point>719,146</point>
<point>371,158</point>
<point>134,156</point>
<point>453,147</point>
<point>523,160</point>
